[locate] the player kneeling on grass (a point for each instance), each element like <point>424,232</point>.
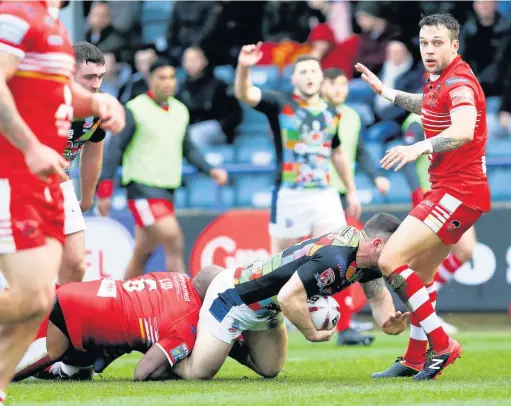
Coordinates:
<point>250,301</point>
<point>92,323</point>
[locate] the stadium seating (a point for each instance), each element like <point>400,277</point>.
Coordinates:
<point>367,193</point>
<point>399,189</point>
<point>253,120</point>
<point>181,198</point>
<point>204,193</point>
<point>498,148</point>
<point>225,73</point>
<point>260,155</point>
<point>219,155</point>
<point>254,190</point>
<point>500,185</point>
<point>265,77</point>
<point>154,20</point>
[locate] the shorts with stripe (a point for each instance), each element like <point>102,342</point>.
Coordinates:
<point>149,204</point>
<point>446,215</point>
<point>225,315</point>
<point>30,212</point>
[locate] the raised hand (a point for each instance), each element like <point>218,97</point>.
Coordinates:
<point>250,55</point>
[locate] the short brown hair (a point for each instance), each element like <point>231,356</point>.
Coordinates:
<point>381,225</point>
<point>334,73</point>
<point>442,19</point>
<point>86,52</point>
<point>304,58</point>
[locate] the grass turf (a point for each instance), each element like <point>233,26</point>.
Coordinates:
<point>313,374</point>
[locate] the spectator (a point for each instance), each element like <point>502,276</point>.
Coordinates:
<point>144,57</point>
<point>376,34</point>
<point>483,41</point>
<point>338,17</point>
<point>191,23</point>
<point>401,72</point>
<point>505,113</point>
<point>102,34</point>
<point>117,79</point>
<point>214,114</point>
<point>236,23</point>
<point>288,21</point>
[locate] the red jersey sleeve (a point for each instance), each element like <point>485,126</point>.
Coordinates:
<point>178,346</point>
<point>460,91</point>
<point>17,28</point>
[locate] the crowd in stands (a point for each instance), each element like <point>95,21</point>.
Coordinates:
<point>203,39</point>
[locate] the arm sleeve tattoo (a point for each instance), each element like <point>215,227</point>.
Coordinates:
<point>373,289</point>
<point>443,144</point>
<point>409,101</point>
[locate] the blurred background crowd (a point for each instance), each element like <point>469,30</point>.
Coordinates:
<point>203,39</point>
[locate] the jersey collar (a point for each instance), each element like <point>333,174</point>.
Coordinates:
<point>165,107</point>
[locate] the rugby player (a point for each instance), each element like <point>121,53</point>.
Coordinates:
<point>305,131</point>
<point>453,114</point>
<point>38,98</point>
<point>250,301</point>
<point>95,322</point>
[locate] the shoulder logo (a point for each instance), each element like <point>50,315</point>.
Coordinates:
<point>453,81</point>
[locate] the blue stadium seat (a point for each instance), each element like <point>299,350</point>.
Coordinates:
<point>225,73</point>
<point>383,130</point>
<point>257,139</point>
<point>498,148</point>
<point>180,198</point>
<point>500,187</point>
<point>399,189</point>
<point>154,19</point>
<point>367,193</point>
<point>360,92</point>
<point>366,114</point>
<point>265,77</point>
<point>253,121</point>
<point>285,83</point>
<point>180,75</point>
<point>258,154</point>
<point>219,155</point>
<point>376,150</point>
<point>205,194</point>
<point>254,190</point>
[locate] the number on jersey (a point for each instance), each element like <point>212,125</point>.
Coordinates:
<point>139,285</point>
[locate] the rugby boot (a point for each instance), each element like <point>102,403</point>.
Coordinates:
<point>353,337</point>
<point>56,372</point>
<point>400,369</point>
<point>436,362</point>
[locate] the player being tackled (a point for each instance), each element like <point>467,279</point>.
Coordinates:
<point>250,301</point>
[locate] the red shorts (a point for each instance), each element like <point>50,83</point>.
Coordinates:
<point>30,211</point>
<point>149,211</point>
<point>90,319</point>
<point>447,216</point>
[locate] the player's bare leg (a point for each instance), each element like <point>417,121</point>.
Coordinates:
<point>168,232</point>
<point>412,239</point>
<point>461,253</point>
<point>266,350</point>
<point>31,276</point>
<point>145,244</point>
<point>73,266</point>
<point>208,355</point>
<point>42,353</point>
<point>413,361</point>
<point>280,244</point>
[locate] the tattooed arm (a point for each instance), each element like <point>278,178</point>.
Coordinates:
<point>409,101</point>
<point>382,306</point>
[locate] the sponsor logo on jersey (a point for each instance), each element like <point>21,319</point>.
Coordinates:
<point>327,277</point>
<point>454,225</point>
<point>341,263</point>
<point>27,228</point>
<point>55,40</point>
<point>235,326</point>
<point>180,352</point>
<point>89,121</point>
<point>462,94</point>
<point>107,288</point>
<point>351,272</point>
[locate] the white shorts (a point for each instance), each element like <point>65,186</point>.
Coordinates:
<point>295,213</point>
<point>74,220</point>
<point>226,316</point>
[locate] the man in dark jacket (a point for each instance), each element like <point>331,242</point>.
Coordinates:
<point>214,113</point>
<point>483,41</point>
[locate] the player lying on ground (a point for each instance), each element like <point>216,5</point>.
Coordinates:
<point>250,301</point>
<point>92,323</point>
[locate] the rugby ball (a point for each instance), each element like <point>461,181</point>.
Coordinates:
<point>324,312</point>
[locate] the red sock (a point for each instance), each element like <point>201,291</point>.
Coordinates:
<point>44,324</point>
<point>446,270</point>
<point>407,284</point>
<point>418,344</point>
<point>346,308</point>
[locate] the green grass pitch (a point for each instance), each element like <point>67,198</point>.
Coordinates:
<point>314,374</point>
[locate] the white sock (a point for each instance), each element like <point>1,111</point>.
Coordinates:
<point>69,370</point>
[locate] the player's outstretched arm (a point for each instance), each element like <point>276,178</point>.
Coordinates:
<point>409,101</point>
<point>461,131</point>
<point>293,303</point>
<point>382,306</point>
<point>154,365</point>
<point>244,90</point>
